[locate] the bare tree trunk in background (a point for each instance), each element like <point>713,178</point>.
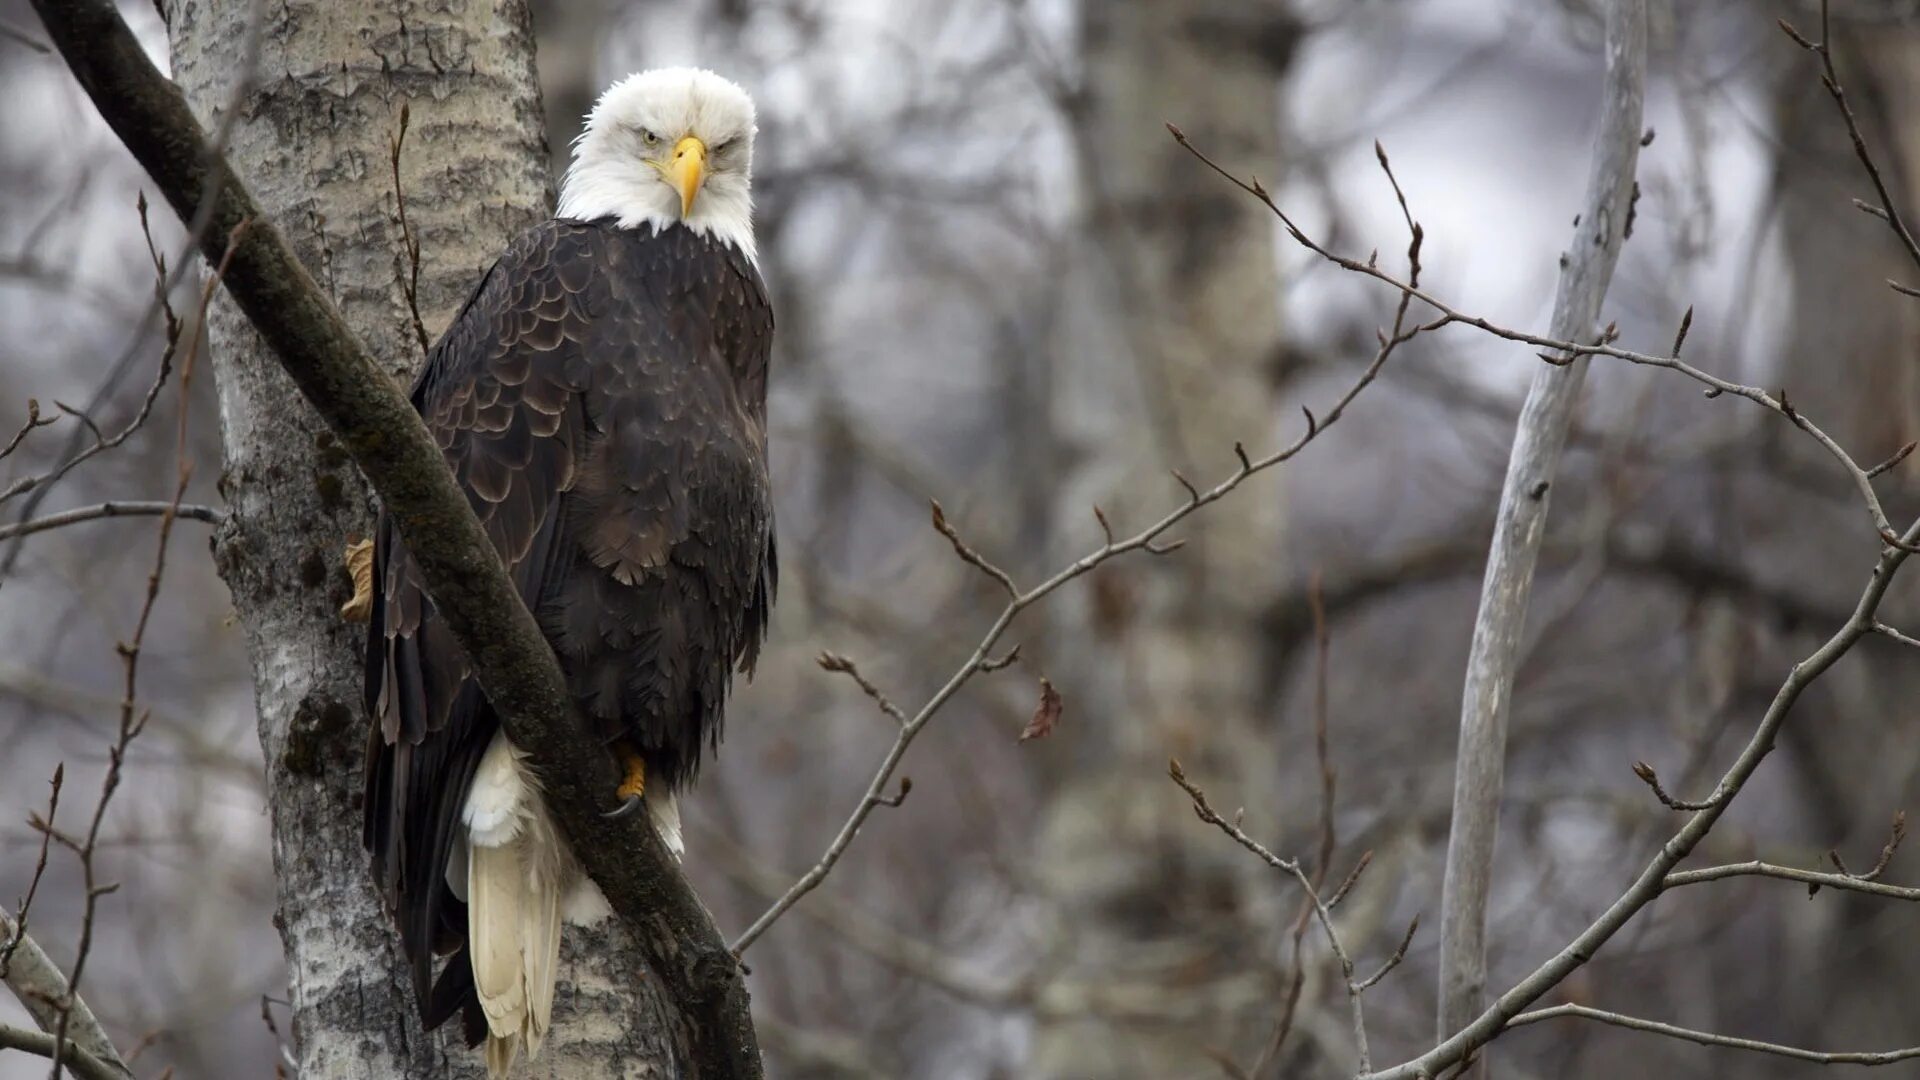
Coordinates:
<point>1851,351</point>
<point>1857,356</point>
<point>1166,360</point>
<point>312,141</point>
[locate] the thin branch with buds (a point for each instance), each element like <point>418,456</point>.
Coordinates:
<point>830,661</point>
<point>1356,988</point>
<point>1564,350</point>
<point>1147,539</point>
<point>182,512</point>
<point>1706,1038</point>
<point>1297,980</point>
<point>1814,879</point>
<point>103,442</point>
<point>1652,779</point>
<point>199,223</point>
<point>34,422</point>
<point>16,936</point>
<point>409,244</point>
<point>133,719</point>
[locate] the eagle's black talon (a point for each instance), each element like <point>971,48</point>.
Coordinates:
<point>625,808</point>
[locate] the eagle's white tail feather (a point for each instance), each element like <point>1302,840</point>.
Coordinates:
<point>515,870</point>
<point>664,809</point>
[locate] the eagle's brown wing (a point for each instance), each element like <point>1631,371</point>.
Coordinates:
<point>502,393</point>
<point>602,400</point>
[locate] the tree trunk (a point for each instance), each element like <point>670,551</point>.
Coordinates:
<point>312,141</point>
<point>1166,361</point>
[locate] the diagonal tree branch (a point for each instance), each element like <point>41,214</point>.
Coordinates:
<point>1708,1038</point>
<point>1655,877</point>
<point>42,990</point>
<point>1814,879</point>
<point>1520,526</point>
<point>390,444</point>
<point>83,1064</point>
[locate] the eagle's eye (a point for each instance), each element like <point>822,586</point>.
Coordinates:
<point>647,136</point>
<point>726,146</point>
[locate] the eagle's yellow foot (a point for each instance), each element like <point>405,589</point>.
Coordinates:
<point>635,784</point>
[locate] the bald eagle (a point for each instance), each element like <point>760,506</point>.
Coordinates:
<point>602,400</point>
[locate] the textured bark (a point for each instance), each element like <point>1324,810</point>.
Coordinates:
<point>311,140</point>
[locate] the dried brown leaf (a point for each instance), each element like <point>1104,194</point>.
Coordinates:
<point>1045,715</point>
<point>360,566</point>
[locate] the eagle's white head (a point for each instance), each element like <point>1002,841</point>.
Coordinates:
<point>665,147</point>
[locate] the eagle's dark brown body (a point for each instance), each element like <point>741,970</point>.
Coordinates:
<point>602,399</point>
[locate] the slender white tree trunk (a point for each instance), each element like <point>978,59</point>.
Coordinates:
<point>1521,522</point>
<point>311,139</point>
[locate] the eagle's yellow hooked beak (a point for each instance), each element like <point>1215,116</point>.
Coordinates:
<point>687,170</point>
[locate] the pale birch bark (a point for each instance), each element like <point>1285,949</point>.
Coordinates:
<point>1166,359</point>
<point>1521,521</point>
<point>39,985</point>
<point>312,143</point>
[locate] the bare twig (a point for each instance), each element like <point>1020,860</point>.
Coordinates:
<point>1018,601</point>
<point>184,512</point>
<point>1707,1038</point>
<point>1291,867</point>
<point>1895,835</point>
<point>1830,78</point>
<point>830,661</point>
<point>133,719</point>
<point>102,443</point>
<point>1814,879</point>
<point>34,420</point>
<point>1652,779</point>
<point>1889,632</point>
<point>972,557</point>
<point>1352,879</point>
<point>1297,979</point>
<point>1899,456</point>
<point>1564,348</point>
<point>16,936</point>
<point>409,244</point>
<point>1399,954</point>
<point>200,222</point>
